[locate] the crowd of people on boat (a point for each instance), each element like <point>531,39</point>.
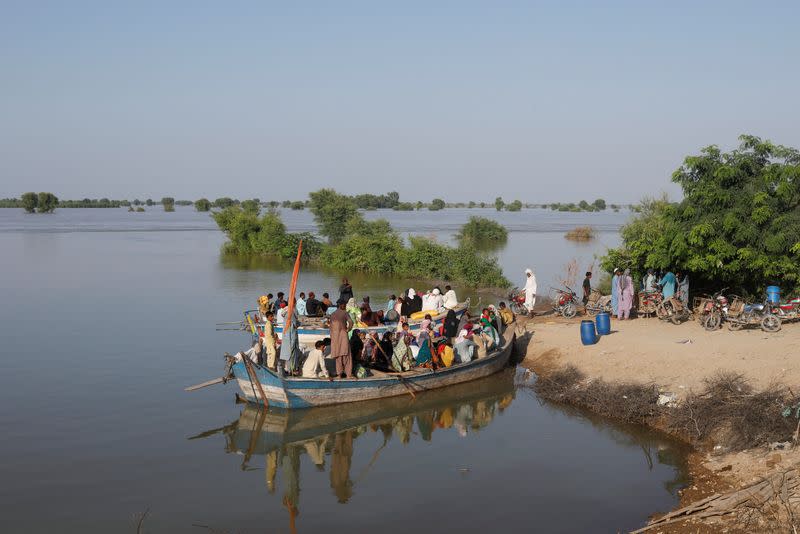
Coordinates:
<point>440,337</point>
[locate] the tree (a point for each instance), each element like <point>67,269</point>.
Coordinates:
<point>168,203</point>
<point>420,205</point>
<point>47,203</point>
<point>149,202</point>
<point>738,224</point>
<point>273,204</point>
<point>202,204</point>
<point>137,202</point>
<point>483,204</point>
<point>332,211</point>
<point>499,204</point>
<point>436,204</point>
<point>514,206</point>
<point>223,202</point>
<point>29,202</point>
<point>251,206</point>
<point>471,204</point>
<point>298,205</point>
<point>584,206</point>
<point>599,204</point>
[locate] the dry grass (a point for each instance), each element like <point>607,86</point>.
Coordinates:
<point>581,233</point>
<point>728,412</point>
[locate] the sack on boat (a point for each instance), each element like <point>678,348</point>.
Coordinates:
<point>421,314</point>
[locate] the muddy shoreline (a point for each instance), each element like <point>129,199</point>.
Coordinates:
<point>673,377</point>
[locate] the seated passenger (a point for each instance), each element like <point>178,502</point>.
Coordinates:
<point>506,314</point>
<point>446,355</point>
<point>450,300</point>
<point>314,366</point>
<point>300,304</point>
<point>314,308</point>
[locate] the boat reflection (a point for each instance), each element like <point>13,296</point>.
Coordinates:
<point>326,434</point>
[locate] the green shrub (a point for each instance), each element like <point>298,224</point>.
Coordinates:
<point>480,231</point>
<point>168,203</point>
<point>202,204</point>
<point>29,202</point>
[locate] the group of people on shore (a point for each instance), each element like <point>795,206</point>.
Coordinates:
<point>668,284</point>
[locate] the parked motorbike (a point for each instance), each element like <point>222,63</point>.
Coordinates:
<point>649,302</point>
<point>564,302</point>
<point>741,315</point>
<point>672,310</point>
<point>598,303</point>
<point>516,301</point>
<point>716,310</point>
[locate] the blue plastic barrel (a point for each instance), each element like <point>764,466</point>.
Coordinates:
<point>774,294</point>
<point>588,334</point>
<point>603,321</point>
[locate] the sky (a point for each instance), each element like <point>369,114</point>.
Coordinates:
<point>537,101</point>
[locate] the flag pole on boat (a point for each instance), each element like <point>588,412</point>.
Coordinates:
<point>289,329</point>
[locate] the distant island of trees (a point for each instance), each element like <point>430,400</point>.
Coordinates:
<point>46,202</point>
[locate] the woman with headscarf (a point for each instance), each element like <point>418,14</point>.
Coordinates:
<point>411,304</point>
<point>625,288</point>
<point>667,284</point>
<point>401,354</point>
<point>353,310</point>
<point>530,291</point>
<point>615,291</point>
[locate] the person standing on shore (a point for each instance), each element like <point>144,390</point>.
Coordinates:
<point>615,291</point>
<point>341,323</point>
<point>530,291</point>
<point>587,287</point>
<point>683,288</point>
<point>667,284</point>
<point>625,295</point>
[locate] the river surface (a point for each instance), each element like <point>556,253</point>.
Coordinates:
<point>107,315</point>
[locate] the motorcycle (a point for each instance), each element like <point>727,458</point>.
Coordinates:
<point>516,301</point>
<point>672,310</point>
<point>598,303</point>
<point>564,302</point>
<point>716,310</point>
<point>649,302</point>
<point>741,315</point>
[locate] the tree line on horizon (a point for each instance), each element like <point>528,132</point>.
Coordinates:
<point>368,202</point>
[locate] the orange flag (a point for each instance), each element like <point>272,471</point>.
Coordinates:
<point>293,285</point>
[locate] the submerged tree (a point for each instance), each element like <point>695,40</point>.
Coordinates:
<point>46,203</point>
<point>514,206</point>
<point>202,204</point>
<point>436,204</point>
<point>499,204</point>
<point>29,202</point>
<point>168,203</point>
<point>737,226</point>
<point>332,211</point>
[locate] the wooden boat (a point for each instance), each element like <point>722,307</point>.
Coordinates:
<point>295,392</point>
<point>312,330</point>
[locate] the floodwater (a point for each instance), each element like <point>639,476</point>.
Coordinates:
<point>106,315</point>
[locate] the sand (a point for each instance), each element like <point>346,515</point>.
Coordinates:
<point>675,357</point>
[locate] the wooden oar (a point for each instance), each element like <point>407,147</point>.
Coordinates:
<point>211,382</point>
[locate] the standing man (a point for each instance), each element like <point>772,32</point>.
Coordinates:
<point>615,291</point>
<point>530,291</point>
<point>345,290</point>
<point>341,324</point>
<point>587,287</point>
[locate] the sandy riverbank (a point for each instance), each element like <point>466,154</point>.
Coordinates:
<point>677,359</point>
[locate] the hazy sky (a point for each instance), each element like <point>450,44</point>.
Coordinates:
<point>464,100</point>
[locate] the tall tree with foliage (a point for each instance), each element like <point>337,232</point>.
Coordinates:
<point>251,206</point>
<point>499,204</point>
<point>332,211</point>
<point>46,203</point>
<point>168,203</point>
<point>737,226</point>
<point>30,201</point>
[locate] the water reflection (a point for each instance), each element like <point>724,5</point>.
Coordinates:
<point>326,435</point>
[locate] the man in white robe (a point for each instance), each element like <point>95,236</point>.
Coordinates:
<point>450,301</point>
<point>530,291</point>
